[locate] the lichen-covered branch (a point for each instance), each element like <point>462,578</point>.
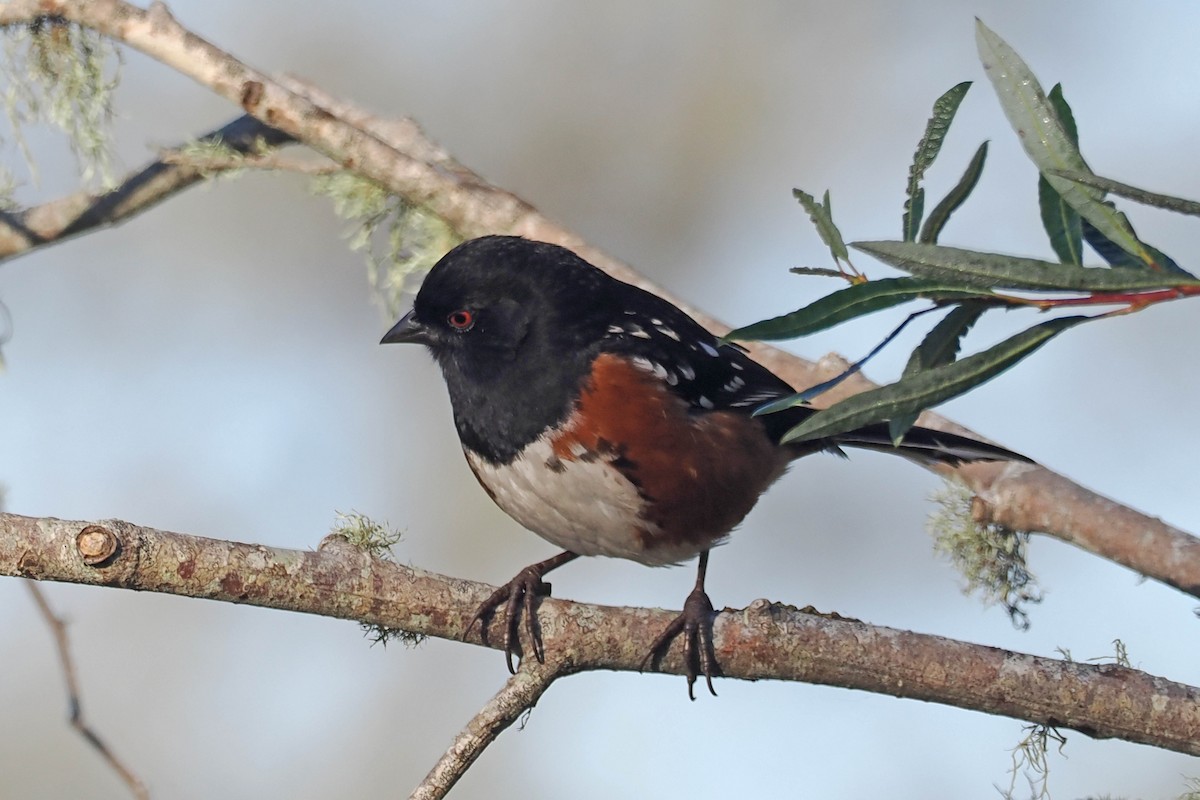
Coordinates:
<point>519,694</point>
<point>1043,501</point>
<point>83,211</point>
<point>763,641</point>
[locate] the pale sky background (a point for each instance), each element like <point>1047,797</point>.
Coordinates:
<point>212,368</point>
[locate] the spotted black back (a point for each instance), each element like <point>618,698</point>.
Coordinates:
<point>661,339</point>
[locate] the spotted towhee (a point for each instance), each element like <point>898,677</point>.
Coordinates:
<point>609,422</point>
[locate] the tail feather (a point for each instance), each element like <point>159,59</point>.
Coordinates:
<point>921,444</point>
<point>926,444</point>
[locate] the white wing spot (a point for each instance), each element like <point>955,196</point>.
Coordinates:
<point>637,331</point>
<point>643,364</point>
<point>712,351</point>
<point>755,398</point>
<point>615,329</point>
<point>686,371</point>
<point>733,385</point>
<point>705,402</point>
<point>654,368</point>
<point>670,334</point>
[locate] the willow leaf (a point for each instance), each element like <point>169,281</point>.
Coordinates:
<point>1061,223</point>
<point>944,109</point>
<point>969,268</point>
<point>822,218</point>
<point>955,198</point>
<point>1047,142</point>
<point>848,303</point>
<point>929,387</point>
<point>940,346</point>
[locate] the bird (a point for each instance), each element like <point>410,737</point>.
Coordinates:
<point>606,420</point>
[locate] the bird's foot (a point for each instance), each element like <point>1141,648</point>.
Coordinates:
<point>519,594</point>
<point>696,624</point>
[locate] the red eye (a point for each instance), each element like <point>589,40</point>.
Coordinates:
<point>461,320</point>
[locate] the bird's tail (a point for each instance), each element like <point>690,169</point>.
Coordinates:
<point>919,444</point>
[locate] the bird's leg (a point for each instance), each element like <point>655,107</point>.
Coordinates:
<point>695,623</point>
<point>518,594</point>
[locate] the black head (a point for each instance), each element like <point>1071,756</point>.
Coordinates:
<point>514,325</point>
<point>493,300</point>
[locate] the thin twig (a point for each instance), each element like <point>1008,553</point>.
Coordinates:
<point>519,694</point>
<point>59,628</point>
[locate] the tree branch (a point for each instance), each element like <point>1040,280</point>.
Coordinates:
<point>519,694</point>
<point>1043,501</point>
<point>59,629</point>
<point>140,191</point>
<point>763,641</point>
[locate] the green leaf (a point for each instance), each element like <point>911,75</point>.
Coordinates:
<point>957,196</point>
<point>940,346</point>
<point>823,220</point>
<point>845,304</point>
<point>822,272</point>
<point>1116,257</point>
<point>1066,117</point>
<point>900,425</point>
<point>1061,223</point>
<point>914,210</point>
<point>1168,263</point>
<point>968,268</point>
<point>944,109</point>
<point>1112,253</point>
<point>1046,139</point>
<point>929,387</point>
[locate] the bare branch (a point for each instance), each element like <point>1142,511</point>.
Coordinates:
<point>59,628</point>
<point>519,694</point>
<point>763,641</point>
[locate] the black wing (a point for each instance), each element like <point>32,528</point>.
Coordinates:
<point>708,374</point>
<point>712,376</point>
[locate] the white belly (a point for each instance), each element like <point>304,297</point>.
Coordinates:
<point>584,506</point>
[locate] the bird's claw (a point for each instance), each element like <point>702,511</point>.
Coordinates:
<point>695,622</point>
<point>519,594</point>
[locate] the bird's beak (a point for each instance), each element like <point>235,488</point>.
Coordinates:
<point>408,329</point>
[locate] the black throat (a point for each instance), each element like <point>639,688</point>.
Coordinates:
<point>501,408</point>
